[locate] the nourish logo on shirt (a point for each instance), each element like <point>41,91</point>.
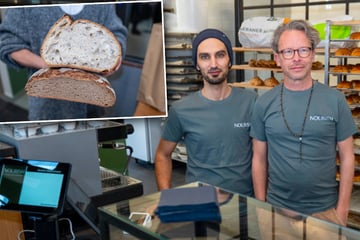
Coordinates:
<point>321,118</point>
<point>242,125</point>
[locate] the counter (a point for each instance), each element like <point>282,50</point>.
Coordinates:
<point>242,218</point>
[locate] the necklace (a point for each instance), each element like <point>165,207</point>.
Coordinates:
<point>300,134</point>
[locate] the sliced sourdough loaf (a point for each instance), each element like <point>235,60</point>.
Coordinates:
<point>81,44</point>
<point>72,85</point>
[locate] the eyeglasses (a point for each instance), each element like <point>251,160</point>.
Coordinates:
<point>302,52</point>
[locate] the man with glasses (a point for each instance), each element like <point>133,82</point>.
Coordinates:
<point>297,128</point>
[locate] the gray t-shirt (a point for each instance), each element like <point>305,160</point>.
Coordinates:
<point>216,135</point>
<point>308,185</point>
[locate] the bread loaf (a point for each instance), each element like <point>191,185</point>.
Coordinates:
<point>343,52</point>
<point>355,52</point>
<point>355,35</point>
<point>81,44</point>
<point>355,84</point>
<point>344,84</point>
<point>256,81</point>
<point>317,65</point>
<point>271,82</point>
<point>72,85</point>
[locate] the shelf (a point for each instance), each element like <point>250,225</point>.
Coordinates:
<point>247,85</point>
<point>247,67</point>
<point>259,50</point>
<point>345,23</point>
<point>270,51</point>
<point>355,202</point>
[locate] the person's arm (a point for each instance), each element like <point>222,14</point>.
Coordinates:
<point>346,154</point>
<point>163,164</point>
<point>259,169</point>
<point>26,58</point>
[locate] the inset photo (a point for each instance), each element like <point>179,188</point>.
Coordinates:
<point>80,61</point>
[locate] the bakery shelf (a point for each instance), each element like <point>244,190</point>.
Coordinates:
<point>258,50</point>
<point>344,56</point>
<point>345,23</point>
<point>342,73</point>
<point>329,53</point>
<point>270,51</point>
<point>247,85</point>
<point>247,67</point>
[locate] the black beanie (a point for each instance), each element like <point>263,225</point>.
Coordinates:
<point>210,33</point>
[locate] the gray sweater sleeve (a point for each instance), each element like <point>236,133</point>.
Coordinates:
<point>13,35</point>
<point>25,28</point>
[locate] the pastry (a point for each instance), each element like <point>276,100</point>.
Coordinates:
<point>317,65</point>
<point>355,69</point>
<point>256,81</point>
<point>355,52</point>
<point>350,100</point>
<point>343,52</point>
<point>355,35</point>
<point>271,82</point>
<point>340,68</point>
<point>344,84</point>
<point>356,84</point>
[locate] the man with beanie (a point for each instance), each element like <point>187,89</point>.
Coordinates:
<point>214,123</point>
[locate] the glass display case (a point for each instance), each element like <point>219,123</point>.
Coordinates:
<point>241,218</point>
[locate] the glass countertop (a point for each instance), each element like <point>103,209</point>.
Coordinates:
<point>241,218</point>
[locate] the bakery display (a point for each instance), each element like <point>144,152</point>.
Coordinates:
<point>271,82</point>
<point>256,81</point>
<point>81,44</point>
<point>72,85</point>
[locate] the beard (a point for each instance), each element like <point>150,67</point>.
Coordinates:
<point>215,80</point>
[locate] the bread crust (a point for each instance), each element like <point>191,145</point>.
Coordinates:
<point>102,58</point>
<point>71,85</point>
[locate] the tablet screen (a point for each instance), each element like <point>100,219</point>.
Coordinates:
<point>35,186</point>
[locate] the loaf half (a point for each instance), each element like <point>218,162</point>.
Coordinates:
<point>81,44</point>
<point>72,85</point>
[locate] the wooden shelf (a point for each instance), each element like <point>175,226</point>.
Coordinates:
<point>247,67</point>
<point>270,51</point>
<point>345,23</point>
<point>247,85</point>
